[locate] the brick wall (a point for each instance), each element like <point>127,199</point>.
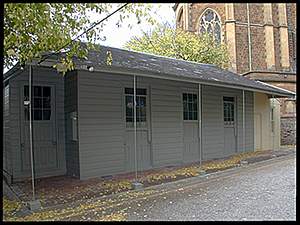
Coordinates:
<point>242,52</point>
<point>240,12</point>
<point>288,130</point>
<point>291,19</point>
<point>258,48</point>
<point>256,12</point>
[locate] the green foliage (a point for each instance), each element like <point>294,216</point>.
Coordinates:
<point>31,29</point>
<point>179,44</point>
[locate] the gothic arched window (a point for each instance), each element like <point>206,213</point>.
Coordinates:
<point>210,23</point>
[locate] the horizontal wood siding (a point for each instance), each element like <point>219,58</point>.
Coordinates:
<point>41,75</point>
<point>167,124</point>
<point>6,133</point>
<point>100,125</point>
<point>102,130</point>
<point>72,147</point>
<point>212,122</point>
<point>213,125</point>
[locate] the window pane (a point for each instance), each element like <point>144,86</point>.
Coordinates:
<point>37,114</point>
<point>46,114</point>
<point>46,92</point>
<point>46,103</point>
<point>141,91</point>
<point>37,103</point>
<point>129,108</point>
<point>195,115</point>
<point>228,99</point>
<point>185,109</point>
<point>37,90</point>
<point>129,91</point>
<point>190,109</point>
<point>190,116</point>
<point>185,115</point>
<point>26,92</point>
<point>190,105</point>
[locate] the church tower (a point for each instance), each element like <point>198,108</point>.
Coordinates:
<point>261,40</point>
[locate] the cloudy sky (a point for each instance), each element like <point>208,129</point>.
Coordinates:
<point>117,37</point>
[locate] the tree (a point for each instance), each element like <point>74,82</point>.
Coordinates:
<point>176,43</point>
<point>32,29</point>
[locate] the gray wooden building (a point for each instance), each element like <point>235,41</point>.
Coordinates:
<point>83,122</point>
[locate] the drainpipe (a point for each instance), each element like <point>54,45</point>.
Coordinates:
<point>30,132</point>
<point>243,120</point>
<point>200,122</point>
<point>249,38</point>
<point>272,123</point>
<point>134,116</point>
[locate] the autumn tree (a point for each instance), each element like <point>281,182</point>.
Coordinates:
<point>31,29</point>
<point>176,43</point>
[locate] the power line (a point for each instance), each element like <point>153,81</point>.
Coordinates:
<point>94,25</point>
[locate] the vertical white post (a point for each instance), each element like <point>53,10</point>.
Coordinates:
<point>199,123</point>
<point>272,122</point>
<point>30,132</point>
<point>134,116</point>
<point>244,121</point>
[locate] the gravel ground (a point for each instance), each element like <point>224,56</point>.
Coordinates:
<point>266,191</point>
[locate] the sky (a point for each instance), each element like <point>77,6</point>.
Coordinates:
<point>117,37</point>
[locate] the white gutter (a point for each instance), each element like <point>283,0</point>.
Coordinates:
<point>282,89</point>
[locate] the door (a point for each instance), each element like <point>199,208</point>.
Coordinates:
<point>43,127</point>
<point>190,128</point>
<point>257,133</point>
<point>143,149</point>
<point>229,109</point>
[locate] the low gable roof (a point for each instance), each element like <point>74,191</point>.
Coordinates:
<point>132,62</point>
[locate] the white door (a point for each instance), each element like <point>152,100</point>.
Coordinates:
<point>229,125</point>
<point>143,150</point>
<point>190,128</point>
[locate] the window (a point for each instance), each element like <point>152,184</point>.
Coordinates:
<point>228,110</point>
<point>140,107</point>
<point>41,107</point>
<point>210,23</point>
<point>190,106</point>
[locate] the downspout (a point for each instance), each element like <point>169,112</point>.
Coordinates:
<point>272,123</point>
<point>249,38</point>
<point>243,121</point>
<point>30,133</point>
<point>134,116</point>
<point>200,123</point>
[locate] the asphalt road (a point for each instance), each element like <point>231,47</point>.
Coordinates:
<point>263,191</point>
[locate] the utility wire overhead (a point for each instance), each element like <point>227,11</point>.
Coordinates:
<point>84,32</point>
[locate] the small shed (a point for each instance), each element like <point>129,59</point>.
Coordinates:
<point>84,124</point>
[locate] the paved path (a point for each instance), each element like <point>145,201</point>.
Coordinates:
<point>264,191</point>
